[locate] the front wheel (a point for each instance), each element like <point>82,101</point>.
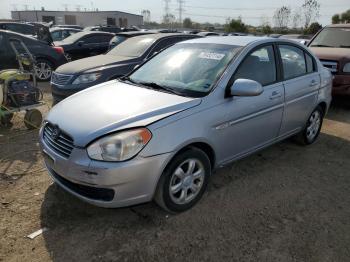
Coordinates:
<point>312,129</point>
<point>184,181</point>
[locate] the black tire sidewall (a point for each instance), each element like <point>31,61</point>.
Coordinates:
<point>167,174</point>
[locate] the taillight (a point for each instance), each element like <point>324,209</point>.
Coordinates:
<point>59,50</point>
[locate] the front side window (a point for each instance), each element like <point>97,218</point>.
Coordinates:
<point>188,69</point>
<point>293,61</point>
<point>259,66</point>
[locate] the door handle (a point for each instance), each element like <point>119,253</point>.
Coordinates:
<point>313,83</point>
<point>275,95</point>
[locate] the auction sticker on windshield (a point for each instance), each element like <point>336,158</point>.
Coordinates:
<point>213,56</point>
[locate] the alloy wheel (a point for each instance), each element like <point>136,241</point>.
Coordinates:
<point>314,125</point>
<point>186,181</point>
<point>43,71</point>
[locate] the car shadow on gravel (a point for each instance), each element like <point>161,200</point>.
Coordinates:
<point>340,109</point>
<point>285,203</point>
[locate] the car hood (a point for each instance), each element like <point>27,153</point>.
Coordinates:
<point>328,53</point>
<point>89,63</point>
<point>113,106</point>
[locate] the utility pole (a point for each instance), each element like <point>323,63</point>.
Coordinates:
<point>181,9</point>
<point>166,7</point>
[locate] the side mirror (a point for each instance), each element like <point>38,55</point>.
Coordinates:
<point>81,43</point>
<point>245,87</point>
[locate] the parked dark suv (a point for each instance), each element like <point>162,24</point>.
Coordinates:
<point>48,57</point>
<point>121,60</point>
<point>85,44</point>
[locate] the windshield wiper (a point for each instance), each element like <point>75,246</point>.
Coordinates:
<point>156,86</point>
<point>321,46</point>
<point>126,78</point>
<point>344,46</point>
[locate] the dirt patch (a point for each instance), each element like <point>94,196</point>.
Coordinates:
<point>286,203</point>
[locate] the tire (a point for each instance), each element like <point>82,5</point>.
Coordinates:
<point>312,128</point>
<point>187,187</point>
<point>33,119</point>
<point>43,70</point>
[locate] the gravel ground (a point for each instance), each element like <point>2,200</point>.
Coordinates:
<point>285,203</point>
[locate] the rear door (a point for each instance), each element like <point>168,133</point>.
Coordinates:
<point>301,84</point>
<point>254,122</point>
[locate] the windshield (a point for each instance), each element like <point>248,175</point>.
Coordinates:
<point>133,47</point>
<point>187,69</point>
<point>332,37</point>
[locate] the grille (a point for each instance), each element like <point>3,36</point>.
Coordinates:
<point>60,79</point>
<point>59,142</point>
<point>331,65</point>
<point>102,194</point>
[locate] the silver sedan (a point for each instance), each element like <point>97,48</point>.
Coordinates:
<point>159,133</point>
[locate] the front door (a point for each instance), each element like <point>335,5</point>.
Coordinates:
<point>253,122</point>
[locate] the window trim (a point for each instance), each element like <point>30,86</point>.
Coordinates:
<point>314,64</point>
<point>278,76</point>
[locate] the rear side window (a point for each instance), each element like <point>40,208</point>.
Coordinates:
<point>309,63</point>
<point>293,61</point>
<point>259,66</point>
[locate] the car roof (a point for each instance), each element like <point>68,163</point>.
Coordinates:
<point>82,33</point>
<point>135,33</point>
<point>164,35</point>
<point>64,28</point>
<point>228,40</point>
<point>339,25</point>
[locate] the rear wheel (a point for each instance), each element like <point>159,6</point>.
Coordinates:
<point>184,181</point>
<point>43,70</point>
<point>312,128</point>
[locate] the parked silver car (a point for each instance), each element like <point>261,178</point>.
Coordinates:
<point>159,133</point>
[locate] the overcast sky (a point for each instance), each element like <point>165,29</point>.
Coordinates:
<point>251,11</point>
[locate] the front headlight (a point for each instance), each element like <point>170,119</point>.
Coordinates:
<point>86,78</point>
<point>120,146</point>
<point>346,68</point>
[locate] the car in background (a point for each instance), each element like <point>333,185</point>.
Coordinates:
<point>60,33</point>
<point>121,37</point>
<point>21,28</point>
<point>70,26</point>
<point>332,46</point>
<point>47,57</point>
<point>121,60</point>
<point>303,39</point>
<point>104,28</point>
<point>159,133</point>
<point>208,34</point>
<point>84,44</point>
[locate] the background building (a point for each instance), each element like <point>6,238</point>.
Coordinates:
<point>82,18</point>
